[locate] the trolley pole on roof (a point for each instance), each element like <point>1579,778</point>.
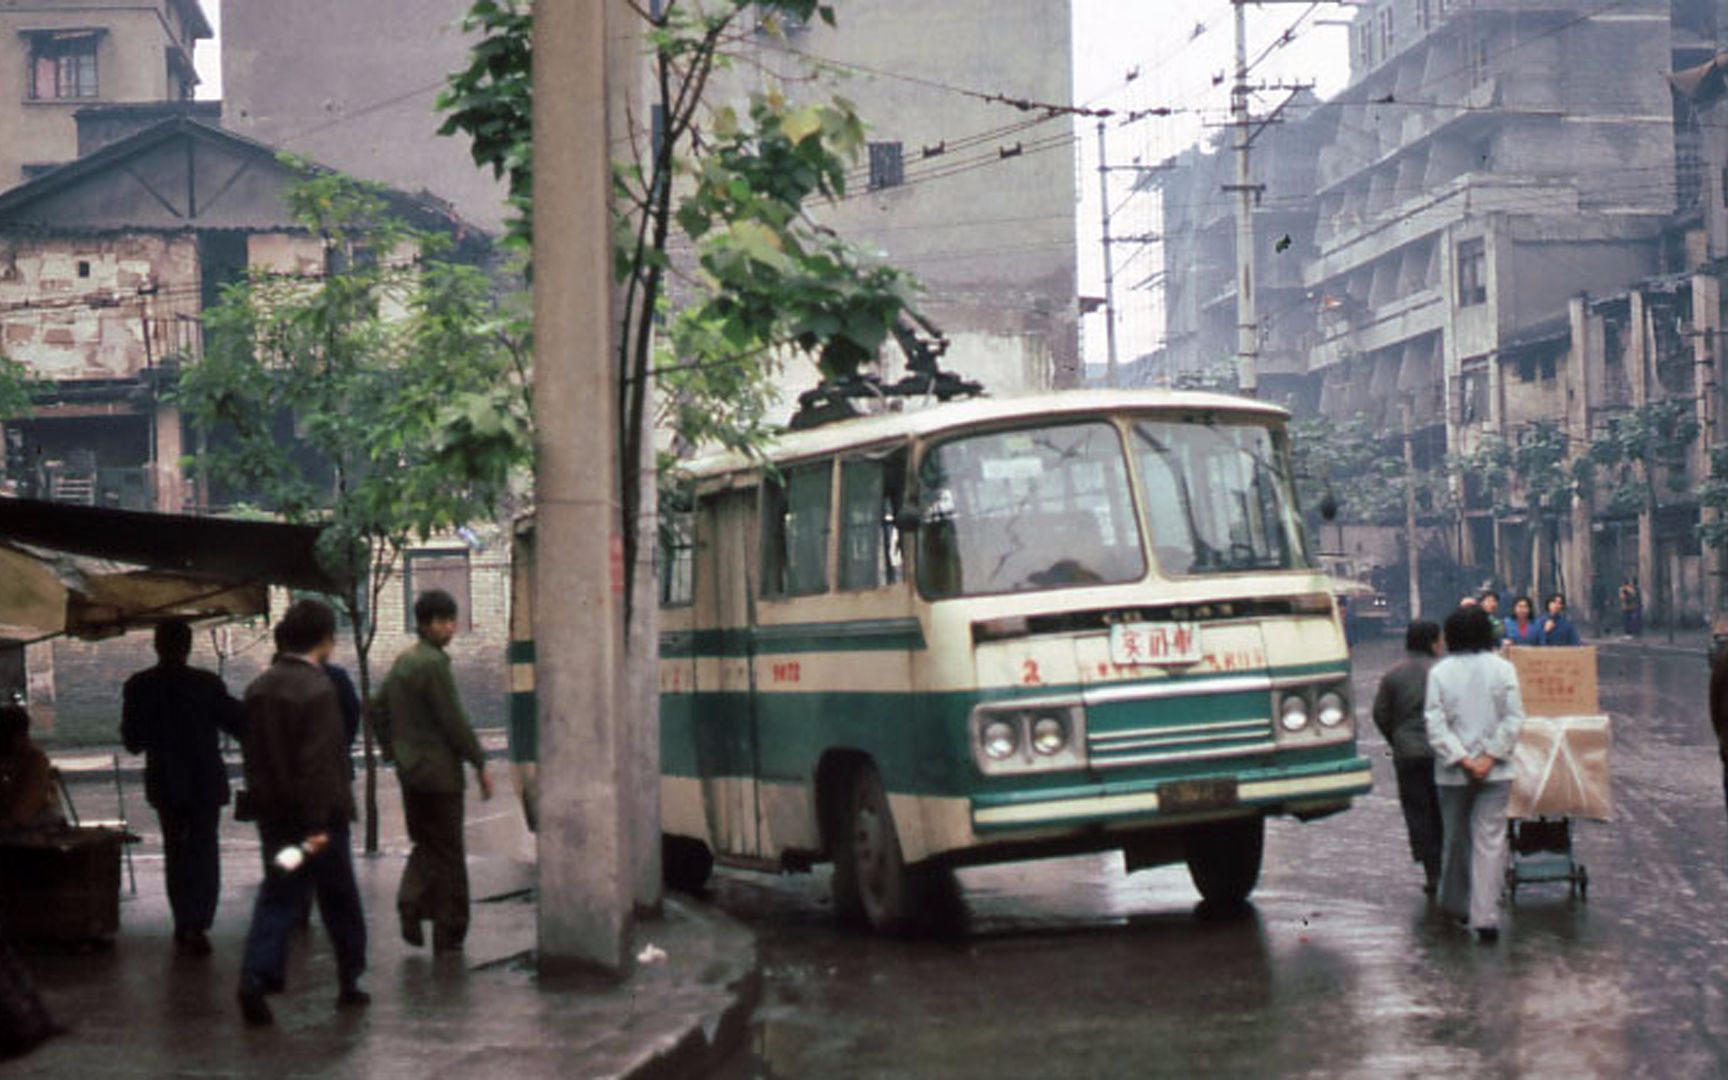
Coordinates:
<point>586,858</point>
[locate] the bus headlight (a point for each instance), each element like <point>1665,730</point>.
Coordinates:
<point>1000,738</point>
<point>1293,712</point>
<point>1331,710</point>
<point>1049,734</point>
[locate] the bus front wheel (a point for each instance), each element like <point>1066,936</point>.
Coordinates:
<point>685,863</point>
<point>872,883</point>
<point>1224,859</point>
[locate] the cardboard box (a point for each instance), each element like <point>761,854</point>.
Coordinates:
<point>1556,681</point>
<point>1561,766</point>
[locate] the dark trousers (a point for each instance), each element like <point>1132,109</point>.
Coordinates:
<point>1421,803</point>
<point>330,876</point>
<point>193,864</point>
<point>435,883</point>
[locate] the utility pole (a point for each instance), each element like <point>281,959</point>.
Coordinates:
<point>1109,262</point>
<point>586,859</point>
<point>1247,319</point>
<point>1410,512</point>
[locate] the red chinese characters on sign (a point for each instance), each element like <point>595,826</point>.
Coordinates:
<point>1133,644</point>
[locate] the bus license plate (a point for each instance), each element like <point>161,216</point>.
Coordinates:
<point>1156,643</point>
<point>1185,796</point>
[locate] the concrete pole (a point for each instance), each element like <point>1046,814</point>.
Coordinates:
<point>1706,328</point>
<point>1247,321</point>
<point>1110,378</point>
<point>586,863</point>
<point>1410,537</point>
<point>1640,357</point>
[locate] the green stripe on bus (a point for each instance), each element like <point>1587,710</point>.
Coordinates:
<point>858,635</point>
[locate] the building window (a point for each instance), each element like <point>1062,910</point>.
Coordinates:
<point>1476,60</point>
<point>63,65</point>
<point>887,166</point>
<point>1422,14</point>
<point>795,515</point>
<point>1365,43</point>
<point>870,548</point>
<point>1472,272</point>
<point>1473,393</point>
<point>1388,36</point>
<point>677,556</point>
<point>447,570</point>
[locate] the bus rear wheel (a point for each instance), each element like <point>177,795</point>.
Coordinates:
<point>873,885</point>
<point>1224,859</point>
<point>685,863</point>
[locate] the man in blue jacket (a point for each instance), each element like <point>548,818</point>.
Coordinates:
<point>172,714</point>
<point>1557,629</point>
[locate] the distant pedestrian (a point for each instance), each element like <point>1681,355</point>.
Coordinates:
<point>1398,713</point>
<point>1490,602</point>
<point>175,714</point>
<point>1631,609</point>
<point>297,773</point>
<point>423,729</point>
<point>1474,713</point>
<point>1557,629</point>
<point>1522,628</point>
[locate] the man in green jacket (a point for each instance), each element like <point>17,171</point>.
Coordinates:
<point>422,728</point>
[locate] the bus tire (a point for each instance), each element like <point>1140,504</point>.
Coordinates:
<point>873,886</point>
<point>1224,859</point>
<point>685,863</point>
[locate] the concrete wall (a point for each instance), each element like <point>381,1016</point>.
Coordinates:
<point>994,244</point>
<point>352,84</point>
<point>131,64</point>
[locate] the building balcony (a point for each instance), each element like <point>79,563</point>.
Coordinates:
<point>1401,320</point>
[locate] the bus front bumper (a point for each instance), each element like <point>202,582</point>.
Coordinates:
<point>1301,791</point>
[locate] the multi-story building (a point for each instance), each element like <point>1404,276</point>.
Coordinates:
<point>58,56</point>
<point>353,84</point>
<point>976,198</point>
<point>1489,161</point>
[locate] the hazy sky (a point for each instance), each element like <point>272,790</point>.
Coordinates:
<point>1178,47</point>
<point>208,56</point>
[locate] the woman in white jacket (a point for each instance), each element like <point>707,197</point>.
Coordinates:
<point>1473,712</point>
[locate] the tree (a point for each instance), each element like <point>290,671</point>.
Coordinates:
<point>730,185</point>
<point>17,388</point>
<point>405,393</point>
<point>1637,449</point>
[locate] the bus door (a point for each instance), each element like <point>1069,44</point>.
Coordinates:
<point>725,724</point>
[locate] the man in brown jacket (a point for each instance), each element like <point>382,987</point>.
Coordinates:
<point>422,728</point>
<point>296,751</point>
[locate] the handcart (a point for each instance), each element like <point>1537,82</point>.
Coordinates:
<point>1560,769</point>
<point>1541,852</point>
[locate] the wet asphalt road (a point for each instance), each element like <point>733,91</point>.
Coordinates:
<point>1072,968</point>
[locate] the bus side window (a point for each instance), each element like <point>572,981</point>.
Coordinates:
<point>677,551</point>
<point>795,531</point>
<point>871,556</point>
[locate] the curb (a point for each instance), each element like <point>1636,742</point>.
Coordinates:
<point>721,1033</point>
<point>1644,648</point>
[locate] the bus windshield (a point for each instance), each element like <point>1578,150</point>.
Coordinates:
<point>1036,508</point>
<point>1217,497</point>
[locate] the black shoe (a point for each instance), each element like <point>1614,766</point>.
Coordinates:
<point>1487,935</point>
<point>412,932</point>
<point>448,941</point>
<point>192,942</point>
<point>352,997</point>
<point>1431,880</point>
<point>253,1007</point>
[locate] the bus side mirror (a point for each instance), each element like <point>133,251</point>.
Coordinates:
<point>908,519</point>
<point>1329,507</point>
